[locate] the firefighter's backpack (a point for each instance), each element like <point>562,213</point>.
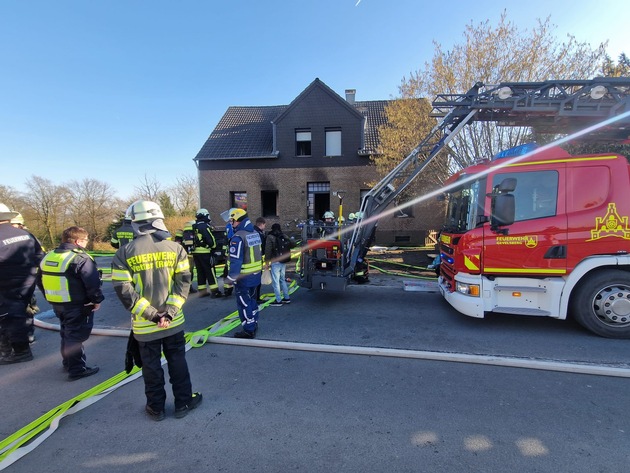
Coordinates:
<point>188,239</point>
<point>283,248</point>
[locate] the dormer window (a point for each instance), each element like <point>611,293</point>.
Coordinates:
<point>303,142</point>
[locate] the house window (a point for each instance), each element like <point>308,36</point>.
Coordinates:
<point>269,200</point>
<point>303,142</point>
<point>333,142</point>
<point>318,199</point>
<point>238,200</point>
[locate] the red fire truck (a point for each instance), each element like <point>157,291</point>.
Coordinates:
<point>534,231</point>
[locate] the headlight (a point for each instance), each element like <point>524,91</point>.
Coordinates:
<point>468,289</point>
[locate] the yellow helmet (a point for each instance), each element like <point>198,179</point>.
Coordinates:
<point>237,214</point>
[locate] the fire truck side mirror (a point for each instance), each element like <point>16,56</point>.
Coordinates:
<point>503,211</point>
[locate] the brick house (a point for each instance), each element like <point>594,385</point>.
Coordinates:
<point>287,162</point>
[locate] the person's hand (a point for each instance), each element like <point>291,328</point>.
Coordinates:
<point>96,306</point>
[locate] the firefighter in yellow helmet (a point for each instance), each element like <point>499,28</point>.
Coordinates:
<point>245,256</point>
<point>151,277</point>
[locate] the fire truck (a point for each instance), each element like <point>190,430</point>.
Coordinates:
<point>533,230</point>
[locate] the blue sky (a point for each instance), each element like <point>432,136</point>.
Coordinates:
<point>116,90</point>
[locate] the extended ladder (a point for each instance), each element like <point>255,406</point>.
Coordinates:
<point>552,106</point>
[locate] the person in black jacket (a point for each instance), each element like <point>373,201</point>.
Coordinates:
<point>20,253</point>
<point>259,226</point>
<point>202,255</point>
<point>70,281</point>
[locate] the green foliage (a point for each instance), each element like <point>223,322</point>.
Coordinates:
<point>620,69</point>
<point>166,204</point>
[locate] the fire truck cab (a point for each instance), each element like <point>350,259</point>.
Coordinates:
<point>545,235</point>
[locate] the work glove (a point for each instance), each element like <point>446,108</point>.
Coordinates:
<point>132,356</point>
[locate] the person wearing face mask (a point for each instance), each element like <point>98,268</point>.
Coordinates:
<point>69,279</point>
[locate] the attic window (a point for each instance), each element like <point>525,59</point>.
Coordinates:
<point>333,142</point>
<point>303,142</point>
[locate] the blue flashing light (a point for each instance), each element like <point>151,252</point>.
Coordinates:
<point>446,258</point>
<point>519,150</point>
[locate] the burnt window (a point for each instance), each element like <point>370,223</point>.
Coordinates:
<point>269,201</point>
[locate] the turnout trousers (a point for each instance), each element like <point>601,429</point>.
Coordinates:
<point>14,326</point>
<point>76,322</point>
<point>247,307</point>
<point>206,278</point>
<point>174,348</point>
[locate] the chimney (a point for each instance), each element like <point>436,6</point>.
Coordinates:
<point>350,93</point>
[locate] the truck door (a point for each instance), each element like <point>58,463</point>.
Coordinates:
<point>536,243</point>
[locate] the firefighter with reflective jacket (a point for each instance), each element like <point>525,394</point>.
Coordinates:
<point>151,277</point>
<point>202,254</point>
<point>20,254</point>
<point>70,281</point>
<point>123,234</point>
<point>245,256</point>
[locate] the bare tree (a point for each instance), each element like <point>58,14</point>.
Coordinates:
<point>148,189</point>
<point>185,195</point>
<point>10,197</point>
<point>489,54</point>
<point>48,204</point>
<point>93,206</point>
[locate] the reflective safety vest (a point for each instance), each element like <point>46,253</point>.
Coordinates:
<point>252,251</point>
<point>54,267</point>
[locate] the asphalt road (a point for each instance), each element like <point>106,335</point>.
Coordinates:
<point>280,409</point>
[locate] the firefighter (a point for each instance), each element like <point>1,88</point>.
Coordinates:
<point>31,309</point>
<point>245,269</point>
<point>151,277</point>
<point>69,279</point>
<point>186,238</point>
<point>228,288</point>
<point>123,234</point>
<point>202,255</point>
<point>328,228</point>
<point>20,254</point>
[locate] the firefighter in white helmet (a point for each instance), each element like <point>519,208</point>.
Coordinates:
<point>151,276</point>
<point>20,255</point>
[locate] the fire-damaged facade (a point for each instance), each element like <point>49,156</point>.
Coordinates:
<point>291,163</point>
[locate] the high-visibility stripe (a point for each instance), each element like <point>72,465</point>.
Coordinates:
<point>525,270</point>
<point>565,160</point>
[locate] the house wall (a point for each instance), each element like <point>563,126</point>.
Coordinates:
<point>291,184</point>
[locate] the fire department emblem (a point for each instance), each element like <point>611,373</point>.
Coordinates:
<point>531,241</point>
<point>611,224</point>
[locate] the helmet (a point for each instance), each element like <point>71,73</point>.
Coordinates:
<point>144,211</point>
<point>342,219</point>
<point>329,214</point>
<point>358,215</point>
<point>5,213</point>
<point>351,216</point>
<point>238,214</point>
<point>203,214</point>
<point>18,219</point>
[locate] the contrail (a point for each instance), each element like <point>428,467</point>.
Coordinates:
<point>357,4</point>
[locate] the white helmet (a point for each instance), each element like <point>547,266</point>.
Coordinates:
<point>203,214</point>
<point>18,219</point>
<point>6,214</point>
<point>144,211</point>
<point>329,214</point>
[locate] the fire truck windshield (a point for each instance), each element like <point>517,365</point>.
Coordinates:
<point>465,207</point>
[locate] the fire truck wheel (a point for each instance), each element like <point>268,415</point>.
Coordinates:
<point>601,303</point>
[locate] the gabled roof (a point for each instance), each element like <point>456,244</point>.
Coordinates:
<point>247,132</point>
<point>316,84</point>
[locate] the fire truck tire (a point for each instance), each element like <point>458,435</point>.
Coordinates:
<point>601,303</point>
